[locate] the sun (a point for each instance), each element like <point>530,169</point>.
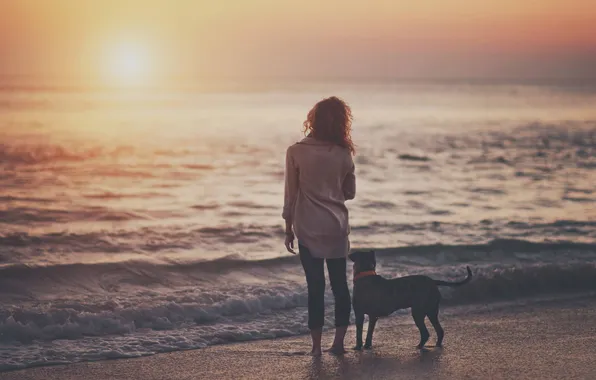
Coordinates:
<point>128,64</point>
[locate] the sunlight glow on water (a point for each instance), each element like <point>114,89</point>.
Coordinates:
<point>201,162</point>
<point>130,222</point>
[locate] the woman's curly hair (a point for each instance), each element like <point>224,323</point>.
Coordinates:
<point>330,120</point>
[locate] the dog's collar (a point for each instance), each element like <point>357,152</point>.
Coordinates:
<point>364,274</point>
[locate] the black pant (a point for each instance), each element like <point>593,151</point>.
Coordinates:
<point>315,279</point>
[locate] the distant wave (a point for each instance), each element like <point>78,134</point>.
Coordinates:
<point>503,246</point>
<point>198,166</point>
<point>15,153</point>
<point>113,241</point>
<point>16,198</point>
<point>411,157</point>
<point>379,205</point>
<point>211,206</point>
<point>25,215</point>
<point>566,229</point>
<point>43,153</point>
<point>115,195</point>
<point>174,237</point>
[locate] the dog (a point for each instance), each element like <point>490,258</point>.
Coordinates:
<point>377,297</point>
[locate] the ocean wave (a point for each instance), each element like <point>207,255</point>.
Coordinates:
<point>19,280</point>
<point>26,215</point>
<point>146,269</point>
<point>485,230</point>
<point>534,149</point>
<point>506,247</point>
<point>45,153</point>
<point>168,238</point>
<point>211,206</point>
<point>29,247</point>
<point>411,157</point>
<point>243,233</point>
<point>106,310</point>
<point>198,166</point>
<point>75,320</point>
<point>114,242</point>
<point>121,195</point>
<point>17,153</point>
<point>15,198</point>
<point>248,205</point>
<point>378,205</point>
<point>187,307</point>
<point>518,282</point>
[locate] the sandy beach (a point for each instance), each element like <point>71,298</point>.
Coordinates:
<point>548,339</point>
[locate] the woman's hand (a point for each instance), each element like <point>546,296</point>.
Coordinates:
<point>289,242</point>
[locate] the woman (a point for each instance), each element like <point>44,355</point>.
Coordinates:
<point>319,179</point>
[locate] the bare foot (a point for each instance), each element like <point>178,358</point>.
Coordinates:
<point>336,350</point>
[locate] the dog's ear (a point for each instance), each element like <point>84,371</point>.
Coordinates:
<point>362,255</point>
<point>370,256</point>
<point>354,256</point>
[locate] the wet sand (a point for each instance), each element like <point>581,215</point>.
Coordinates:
<point>526,340</point>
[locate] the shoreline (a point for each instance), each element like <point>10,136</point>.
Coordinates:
<point>526,339</point>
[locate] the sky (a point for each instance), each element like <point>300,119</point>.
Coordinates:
<point>157,40</point>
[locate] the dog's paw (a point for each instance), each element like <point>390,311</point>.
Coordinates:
<point>367,346</point>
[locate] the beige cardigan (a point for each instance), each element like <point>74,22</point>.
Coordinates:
<point>319,179</point>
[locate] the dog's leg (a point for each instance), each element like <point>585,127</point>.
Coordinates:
<point>419,316</point>
<point>433,316</point>
<point>359,326</point>
<point>372,321</point>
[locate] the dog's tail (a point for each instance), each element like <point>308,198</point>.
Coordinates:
<point>464,281</point>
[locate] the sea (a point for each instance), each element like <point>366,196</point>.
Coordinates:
<point>135,222</point>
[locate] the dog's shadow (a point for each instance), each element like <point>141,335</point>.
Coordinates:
<point>371,364</point>
<point>428,358</point>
